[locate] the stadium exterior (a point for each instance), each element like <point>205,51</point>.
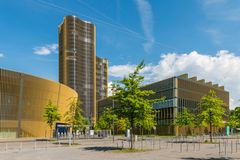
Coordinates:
<point>22,101</point>
<point>179,92</point>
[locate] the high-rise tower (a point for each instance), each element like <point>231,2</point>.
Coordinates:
<point>77,61</point>
<point>102,80</point>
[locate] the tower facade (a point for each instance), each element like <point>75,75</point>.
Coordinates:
<point>102,80</point>
<point>77,61</point>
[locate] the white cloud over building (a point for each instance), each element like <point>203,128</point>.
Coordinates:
<point>221,68</point>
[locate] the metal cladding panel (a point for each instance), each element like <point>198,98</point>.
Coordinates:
<point>77,61</point>
<point>23,99</point>
<point>193,90</point>
<point>101,78</point>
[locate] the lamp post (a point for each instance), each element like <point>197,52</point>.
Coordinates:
<point>113,119</point>
<point>113,91</point>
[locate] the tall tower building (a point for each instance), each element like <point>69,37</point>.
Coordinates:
<point>102,74</point>
<point>77,61</point>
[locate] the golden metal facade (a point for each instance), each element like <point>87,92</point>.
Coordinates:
<point>79,68</point>
<point>77,61</point>
<point>22,101</point>
<point>101,78</point>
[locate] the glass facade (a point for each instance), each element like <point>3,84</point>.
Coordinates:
<point>179,92</point>
<point>22,101</point>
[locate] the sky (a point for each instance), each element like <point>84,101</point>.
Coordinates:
<point>198,37</point>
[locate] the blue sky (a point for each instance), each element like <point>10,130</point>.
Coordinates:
<point>172,36</point>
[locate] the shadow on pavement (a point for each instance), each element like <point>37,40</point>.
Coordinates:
<point>220,158</point>
<point>104,149</point>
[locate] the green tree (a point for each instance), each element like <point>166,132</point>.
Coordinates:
<point>198,122</point>
<point>107,120</point>
<point>132,102</point>
<point>212,111</point>
<point>147,122</point>
<point>51,115</point>
<point>184,119</point>
<point>234,120</point>
<point>122,124</point>
<point>74,115</point>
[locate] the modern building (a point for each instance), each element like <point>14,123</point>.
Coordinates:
<point>179,92</point>
<point>78,66</point>
<point>102,80</point>
<point>22,101</point>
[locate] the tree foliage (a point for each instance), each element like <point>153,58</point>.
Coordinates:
<point>107,120</point>
<point>146,123</point>
<point>122,124</point>
<point>74,115</point>
<point>184,119</point>
<point>234,120</point>
<point>51,115</point>
<point>132,101</point>
<point>212,111</point>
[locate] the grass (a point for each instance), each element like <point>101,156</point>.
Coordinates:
<point>67,144</point>
<point>208,142</point>
<point>129,150</point>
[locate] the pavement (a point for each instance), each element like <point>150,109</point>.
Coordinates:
<point>104,150</point>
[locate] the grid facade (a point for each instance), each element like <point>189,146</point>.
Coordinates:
<point>102,81</point>
<point>22,101</point>
<point>77,61</point>
<point>179,92</point>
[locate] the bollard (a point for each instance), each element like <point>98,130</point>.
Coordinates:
<point>153,143</point>
<point>180,146</point>
<point>159,142</point>
<point>20,146</point>
<point>194,147</point>
<point>59,144</point>
<point>225,147</point>
<point>122,144</point>
<point>6,147</point>
<point>199,145</point>
<point>236,146</point>
<point>35,145</point>
<point>172,143</point>
<point>219,148</point>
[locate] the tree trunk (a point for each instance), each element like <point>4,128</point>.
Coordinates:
<point>185,130</point>
<point>211,132</point>
<point>131,134</point>
<point>50,135</point>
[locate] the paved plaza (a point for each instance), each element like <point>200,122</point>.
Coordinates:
<point>104,149</point>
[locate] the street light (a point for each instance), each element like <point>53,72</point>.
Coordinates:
<point>113,91</point>
<point>113,119</point>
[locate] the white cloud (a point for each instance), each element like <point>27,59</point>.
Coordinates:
<point>121,70</point>
<point>215,35</point>
<point>46,50</point>
<point>221,68</point>
<point>213,2</point>
<point>145,11</point>
<point>1,55</point>
<point>222,10</point>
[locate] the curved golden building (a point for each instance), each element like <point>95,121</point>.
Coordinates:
<point>22,101</point>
